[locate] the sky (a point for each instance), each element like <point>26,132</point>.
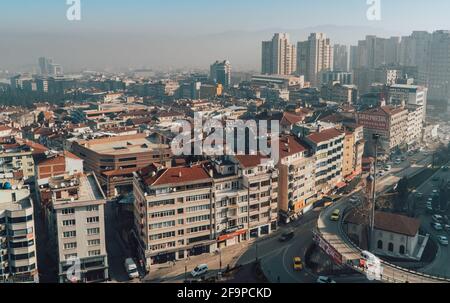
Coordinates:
<point>190,33</point>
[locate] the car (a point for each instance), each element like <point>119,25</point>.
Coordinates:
<point>437,226</point>
<point>419,194</point>
<point>430,210</point>
<point>298,264</point>
<point>403,158</point>
<point>447,227</point>
<point>354,199</point>
<point>335,215</point>
<point>380,173</point>
<point>445,168</point>
<point>325,280</point>
<point>131,268</point>
<point>286,236</point>
<point>437,218</point>
<point>199,270</point>
<point>443,240</point>
<point>436,179</point>
<point>387,167</point>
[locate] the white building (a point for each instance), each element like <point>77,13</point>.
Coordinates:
<point>278,55</point>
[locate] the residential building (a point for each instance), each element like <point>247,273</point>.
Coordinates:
<point>278,81</point>
<point>345,78</point>
<point>220,73</point>
<point>75,216</point>
<point>296,185</point>
<point>17,156</point>
<point>336,92</point>
<point>278,55</point>
<point>18,258</point>
<point>313,57</point>
<point>328,147</point>
<point>340,58</point>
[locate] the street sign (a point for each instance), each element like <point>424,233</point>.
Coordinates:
<point>328,249</point>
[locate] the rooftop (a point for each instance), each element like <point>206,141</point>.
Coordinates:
<point>325,135</point>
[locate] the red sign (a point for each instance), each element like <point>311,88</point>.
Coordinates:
<point>232,235</point>
<point>328,249</point>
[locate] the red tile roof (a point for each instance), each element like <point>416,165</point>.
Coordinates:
<point>179,175</point>
<point>291,118</point>
<point>248,161</point>
<point>289,145</point>
<point>395,223</point>
<point>324,135</point>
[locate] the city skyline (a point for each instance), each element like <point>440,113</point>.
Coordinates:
<point>32,30</point>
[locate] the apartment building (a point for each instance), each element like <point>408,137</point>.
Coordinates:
<point>337,92</point>
<point>114,159</point>
<point>279,56</point>
<point>328,147</point>
<point>296,186</point>
<point>353,151</point>
<point>17,156</point>
<point>403,94</point>
<point>75,216</point>
<point>391,123</point>
<point>415,124</point>
<point>18,261</point>
<point>314,56</point>
<point>188,211</point>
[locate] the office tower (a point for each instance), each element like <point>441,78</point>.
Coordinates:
<point>314,56</point>
<point>278,55</point>
<point>340,58</point>
<point>220,73</point>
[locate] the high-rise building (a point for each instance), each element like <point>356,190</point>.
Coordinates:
<point>374,52</point>
<point>17,235</point>
<point>438,71</point>
<point>48,68</point>
<point>314,56</point>
<point>340,58</point>
<point>278,55</point>
<point>220,73</point>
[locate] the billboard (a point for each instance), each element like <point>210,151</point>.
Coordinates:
<point>328,249</point>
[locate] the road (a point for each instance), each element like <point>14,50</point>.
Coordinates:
<point>440,265</point>
<point>332,232</point>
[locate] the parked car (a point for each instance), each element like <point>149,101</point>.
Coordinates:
<point>437,218</point>
<point>131,268</point>
<point>437,226</point>
<point>324,280</point>
<point>443,240</point>
<point>199,270</point>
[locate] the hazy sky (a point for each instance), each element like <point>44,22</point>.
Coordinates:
<point>190,33</point>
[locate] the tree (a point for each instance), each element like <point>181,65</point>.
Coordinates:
<point>402,194</point>
<point>41,118</point>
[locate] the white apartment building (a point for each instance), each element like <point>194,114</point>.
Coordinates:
<point>296,186</point>
<point>75,213</point>
<point>402,94</point>
<point>328,147</point>
<point>18,259</point>
<point>415,124</point>
<point>188,211</point>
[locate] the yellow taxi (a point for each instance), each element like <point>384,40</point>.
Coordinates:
<point>335,215</point>
<point>298,264</point>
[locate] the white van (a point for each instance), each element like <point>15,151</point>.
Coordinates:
<point>199,270</point>
<point>131,268</point>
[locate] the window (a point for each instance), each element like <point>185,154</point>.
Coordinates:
<point>71,245</point>
<point>197,198</point>
<point>70,256</point>
<point>391,247</point>
<point>163,214</point>
<point>380,244</point>
<point>402,250</point>
<point>92,208</point>
<point>93,219</point>
<point>92,253</point>
<point>94,242</point>
<point>69,222</point>
<point>161,225</point>
<point>69,234</point>
<point>93,231</point>
<point>68,211</point>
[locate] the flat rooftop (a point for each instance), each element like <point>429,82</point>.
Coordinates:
<point>122,145</point>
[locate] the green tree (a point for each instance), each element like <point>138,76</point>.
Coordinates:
<point>402,194</point>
